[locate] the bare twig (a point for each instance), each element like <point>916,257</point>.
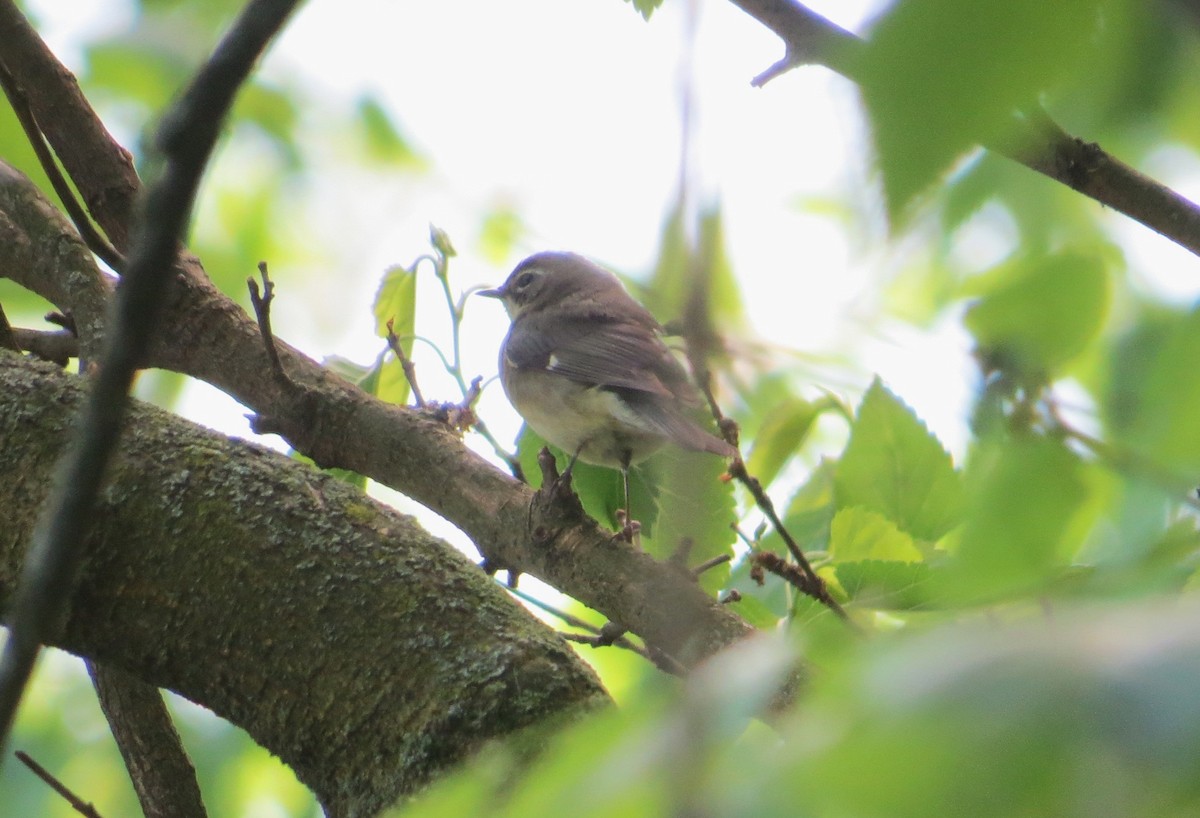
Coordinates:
<point>710,564</point>
<point>96,242</point>
<point>187,136</point>
<point>812,584</point>
<point>597,637</point>
<point>79,805</point>
<point>162,775</point>
<point>58,346</point>
<point>262,313</point>
<point>410,371</point>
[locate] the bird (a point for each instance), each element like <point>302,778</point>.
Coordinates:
<point>586,366</point>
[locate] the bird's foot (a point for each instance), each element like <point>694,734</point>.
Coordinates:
<point>631,530</point>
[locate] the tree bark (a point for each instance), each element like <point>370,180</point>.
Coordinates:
<point>368,655</point>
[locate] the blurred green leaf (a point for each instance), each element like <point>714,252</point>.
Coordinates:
<point>886,584</point>
<point>695,285</point>
<point>695,504</point>
<point>941,76</point>
<point>893,465</point>
<point>784,428</point>
<point>1154,389</point>
<point>396,300</point>
<point>382,139</point>
<point>1086,714</point>
<point>1024,496</point>
<point>645,7</point>
<point>500,230</point>
<point>860,534</point>
<point>1040,314</point>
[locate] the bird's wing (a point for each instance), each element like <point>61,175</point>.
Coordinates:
<point>601,351</point>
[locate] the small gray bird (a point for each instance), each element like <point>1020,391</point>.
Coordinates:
<point>585,365</point>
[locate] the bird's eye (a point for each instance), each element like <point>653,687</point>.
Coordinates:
<point>524,280</point>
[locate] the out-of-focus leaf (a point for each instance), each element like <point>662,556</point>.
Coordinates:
<point>382,139</point>
<point>1041,314</point>
<point>886,584</point>
<point>274,112</point>
<point>1045,718</point>
<point>686,279</point>
<point>500,230</point>
<point>695,504</point>
<point>396,300</point>
<point>783,430</point>
<point>1023,498</point>
<point>1154,391</point>
<point>860,534</point>
<point>941,76</point>
<point>893,465</point>
<point>645,7</point>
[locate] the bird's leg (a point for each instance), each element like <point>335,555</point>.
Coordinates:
<point>630,527</point>
<point>563,480</point>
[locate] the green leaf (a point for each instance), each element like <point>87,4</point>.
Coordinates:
<point>886,584</point>
<point>783,430</point>
<point>860,534</point>
<point>645,7</point>
<point>894,466</point>
<point>697,286</point>
<point>382,139</point>
<point>1154,391</point>
<point>1023,499</point>
<point>696,504</point>
<point>396,300</point>
<point>940,76</point>
<point>499,232</point>
<point>1041,314</point>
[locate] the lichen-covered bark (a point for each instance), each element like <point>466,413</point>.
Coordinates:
<point>365,653</point>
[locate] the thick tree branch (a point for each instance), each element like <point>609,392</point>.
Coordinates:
<point>366,654</point>
<point>1040,145</point>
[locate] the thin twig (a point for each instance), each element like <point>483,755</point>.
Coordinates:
<point>596,637</point>
<point>187,136</point>
<point>88,231</point>
<point>813,585</point>
<point>57,346</point>
<point>410,370</point>
<point>262,313</point>
<point>710,564</point>
<point>79,805</point>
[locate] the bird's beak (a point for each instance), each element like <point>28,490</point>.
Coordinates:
<point>496,293</point>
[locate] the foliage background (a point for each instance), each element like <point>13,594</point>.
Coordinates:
<point>852,259</point>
